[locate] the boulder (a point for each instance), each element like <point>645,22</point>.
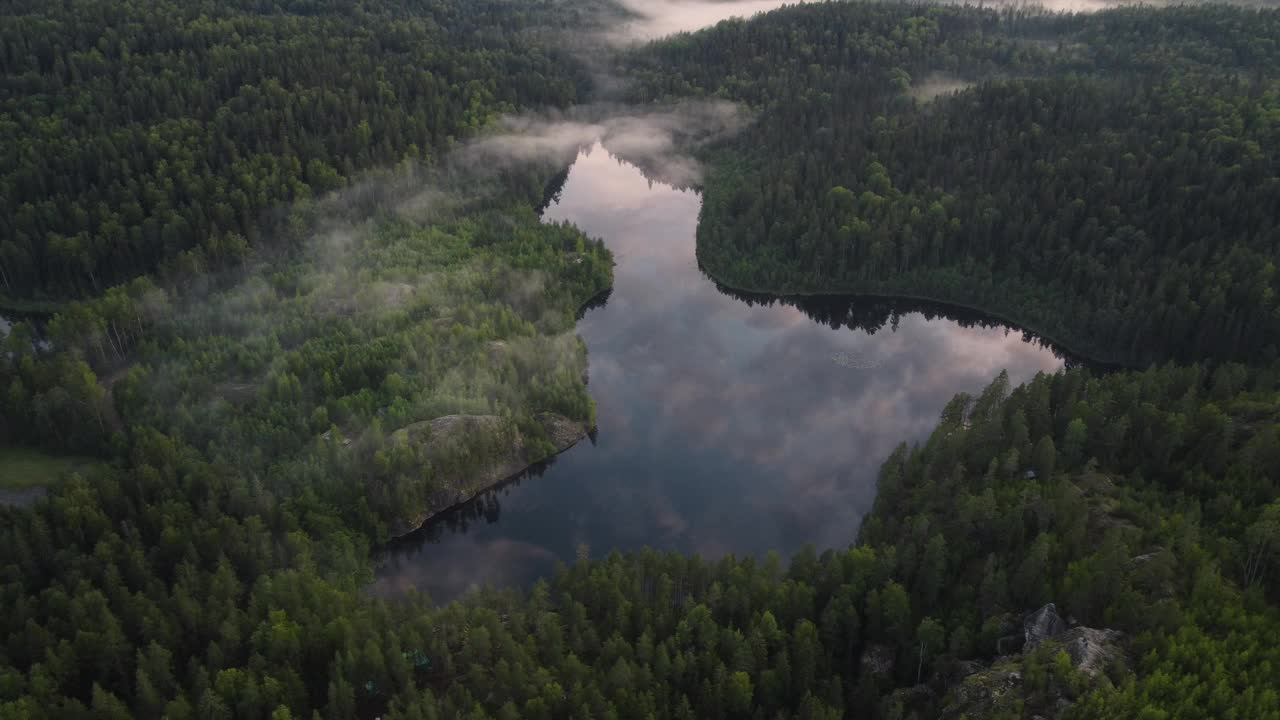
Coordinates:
<point>1092,650</point>
<point>1042,625</point>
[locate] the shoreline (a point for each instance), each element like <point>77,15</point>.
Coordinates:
<point>1003,319</point>
<point>561,441</point>
<point>470,495</point>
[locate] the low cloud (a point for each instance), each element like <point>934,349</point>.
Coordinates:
<point>935,85</point>
<point>661,141</point>
<point>651,19</point>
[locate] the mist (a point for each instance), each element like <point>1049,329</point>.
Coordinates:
<point>657,18</point>
<point>653,19</point>
<point>935,85</point>
<point>660,141</point>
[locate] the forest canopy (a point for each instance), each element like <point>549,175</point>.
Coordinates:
<point>1122,164</point>
<point>272,284</point>
<point>137,136</point>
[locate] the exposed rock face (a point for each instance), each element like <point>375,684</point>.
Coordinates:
<point>990,692</point>
<point>495,449</point>
<point>1092,650</point>
<point>998,690</point>
<point>562,431</point>
<point>1042,625</point>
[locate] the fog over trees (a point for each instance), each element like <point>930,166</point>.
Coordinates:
<point>268,243</point>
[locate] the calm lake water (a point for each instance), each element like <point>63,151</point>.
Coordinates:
<point>727,424</point>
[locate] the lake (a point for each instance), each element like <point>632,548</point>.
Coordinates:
<point>728,423</point>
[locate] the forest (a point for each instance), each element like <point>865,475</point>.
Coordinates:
<point>162,136</point>
<point>259,304</point>
<point>1123,164</point>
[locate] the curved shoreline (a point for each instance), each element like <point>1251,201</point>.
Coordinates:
<point>1000,317</point>
<point>418,525</point>
<point>561,444</point>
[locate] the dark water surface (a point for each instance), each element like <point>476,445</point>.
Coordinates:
<point>726,425</point>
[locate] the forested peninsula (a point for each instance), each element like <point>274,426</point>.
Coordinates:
<point>1120,164</point>
<point>294,318</point>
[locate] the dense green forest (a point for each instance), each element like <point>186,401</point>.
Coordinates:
<point>419,291</point>
<point>165,135</point>
<point>300,377</point>
<point>171,588</point>
<point>1122,164</point>
<point>252,358</point>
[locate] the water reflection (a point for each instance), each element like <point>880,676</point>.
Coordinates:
<point>728,422</point>
<point>656,18</point>
<point>872,314</point>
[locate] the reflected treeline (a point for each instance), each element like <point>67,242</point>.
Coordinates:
<point>551,193</point>
<point>562,162</point>
<point>660,171</point>
<point>483,509</point>
<point>596,302</point>
<point>872,314</point>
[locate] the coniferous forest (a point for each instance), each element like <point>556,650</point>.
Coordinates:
<point>258,269</point>
<point>1123,164</point>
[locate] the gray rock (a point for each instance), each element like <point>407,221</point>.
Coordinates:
<point>1092,650</point>
<point>993,692</point>
<point>1042,625</point>
<point>1140,560</point>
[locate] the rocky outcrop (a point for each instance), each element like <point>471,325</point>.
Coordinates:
<point>995,691</point>
<point>998,690</point>
<point>1091,650</point>
<point>489,446</point>
<point>1042,625</point>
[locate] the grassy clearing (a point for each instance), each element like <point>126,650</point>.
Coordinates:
<point>24,468</point>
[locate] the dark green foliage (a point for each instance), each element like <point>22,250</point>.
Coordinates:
<point>215,568</point>
<point>1093,167</point>
<point>137,135</point>
<point>218,595</point>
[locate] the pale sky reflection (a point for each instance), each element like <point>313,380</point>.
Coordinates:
<point>724,426</point>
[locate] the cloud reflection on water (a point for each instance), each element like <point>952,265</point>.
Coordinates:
<point>725,423</point>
